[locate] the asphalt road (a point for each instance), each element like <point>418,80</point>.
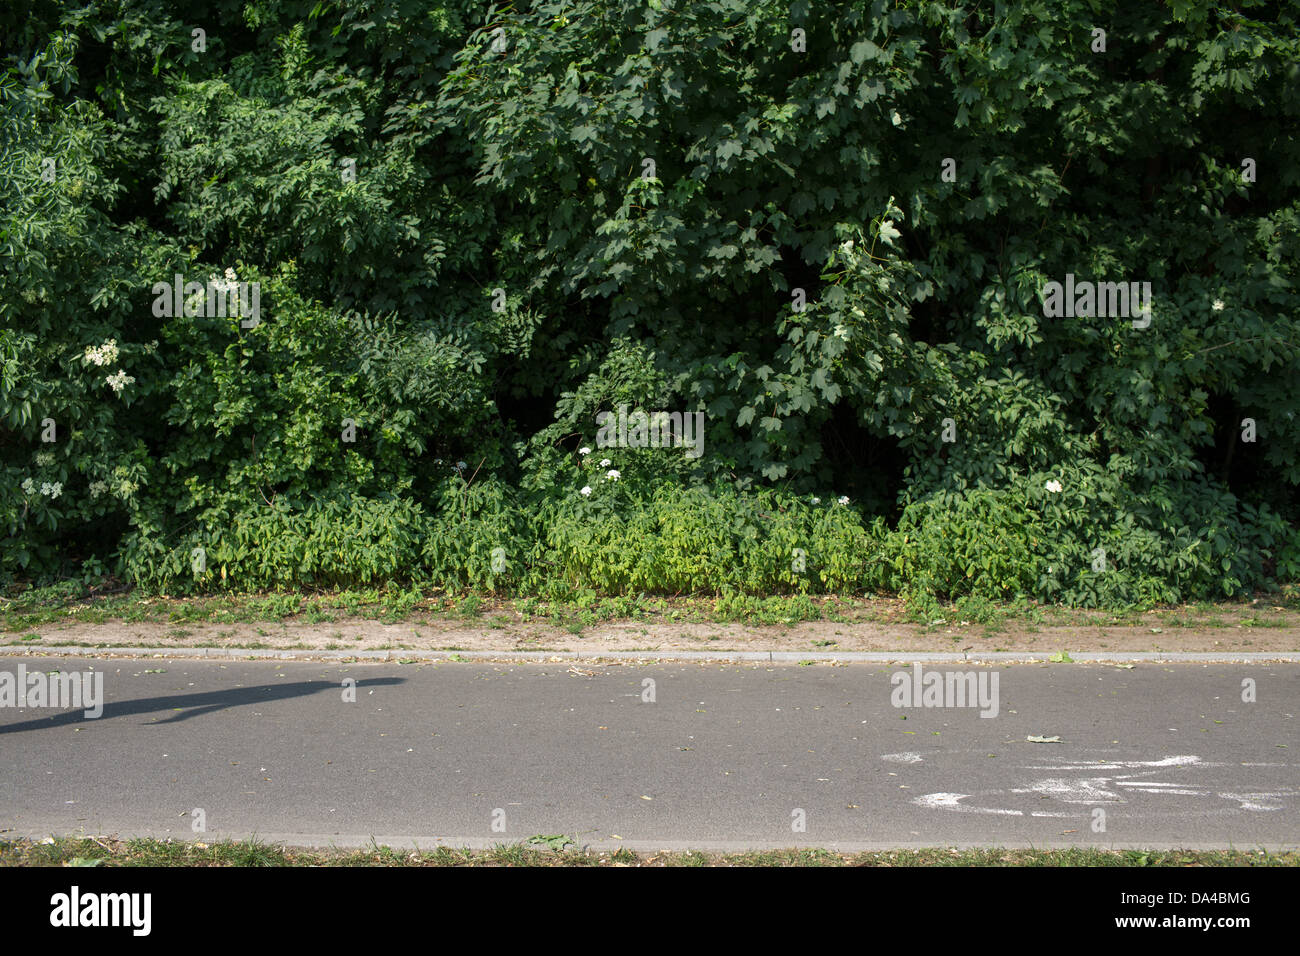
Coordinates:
<point>724,757</point>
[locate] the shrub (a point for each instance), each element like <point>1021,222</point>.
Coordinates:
<point>337,543</point>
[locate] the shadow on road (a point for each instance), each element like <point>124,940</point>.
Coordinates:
<point>198,704</point>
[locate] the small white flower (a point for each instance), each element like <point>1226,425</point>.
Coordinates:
<point>223,284</point>
<point>605,463</point>
<point>461,466</point>
<point>586,490</point>
<point>816,501</point>
<point>119,381</point>
<point>844,499</point>
<point>53,490</point>
<point>584,451</point>
<point>612,474</point>
<point>1054,487</point>
<point>101,355</point>
<point>97,488</point>
<point>29,486</point>
<point>1218,305</point>
<point>44,459</point>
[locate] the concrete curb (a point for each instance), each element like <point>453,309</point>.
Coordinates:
<point>766,657</point>
<point>427,844</point>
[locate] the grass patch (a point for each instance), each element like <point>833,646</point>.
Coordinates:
<point>561,851</point>
<point>24,610</point>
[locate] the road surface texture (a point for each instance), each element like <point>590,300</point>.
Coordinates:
<point>697,755</point>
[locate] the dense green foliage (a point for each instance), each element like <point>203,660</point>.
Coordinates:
<point>474,229</point>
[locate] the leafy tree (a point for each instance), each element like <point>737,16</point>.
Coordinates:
<point>829,227</point>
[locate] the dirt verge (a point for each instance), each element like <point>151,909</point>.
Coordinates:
<point>822,636</point>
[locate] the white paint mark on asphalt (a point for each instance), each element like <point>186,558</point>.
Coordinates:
<point>1181,761</point>
<point>1125,782</point>
<point>951,801</point>
<point>908,757</point>
<point>1256,801</point>
<point>1088,790</point>
<point>1119,788</point>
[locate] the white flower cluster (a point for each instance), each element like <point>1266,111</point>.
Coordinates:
<point>217,283</point>
<point>101,355</point>
<point>119,381</point>
<point>613,474</point>
<point>1054,487</point>
<point>44,459</point>
<point>50,489</point>
<point>118,483</point>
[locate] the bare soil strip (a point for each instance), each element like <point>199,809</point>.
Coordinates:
<point>813,636</point>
